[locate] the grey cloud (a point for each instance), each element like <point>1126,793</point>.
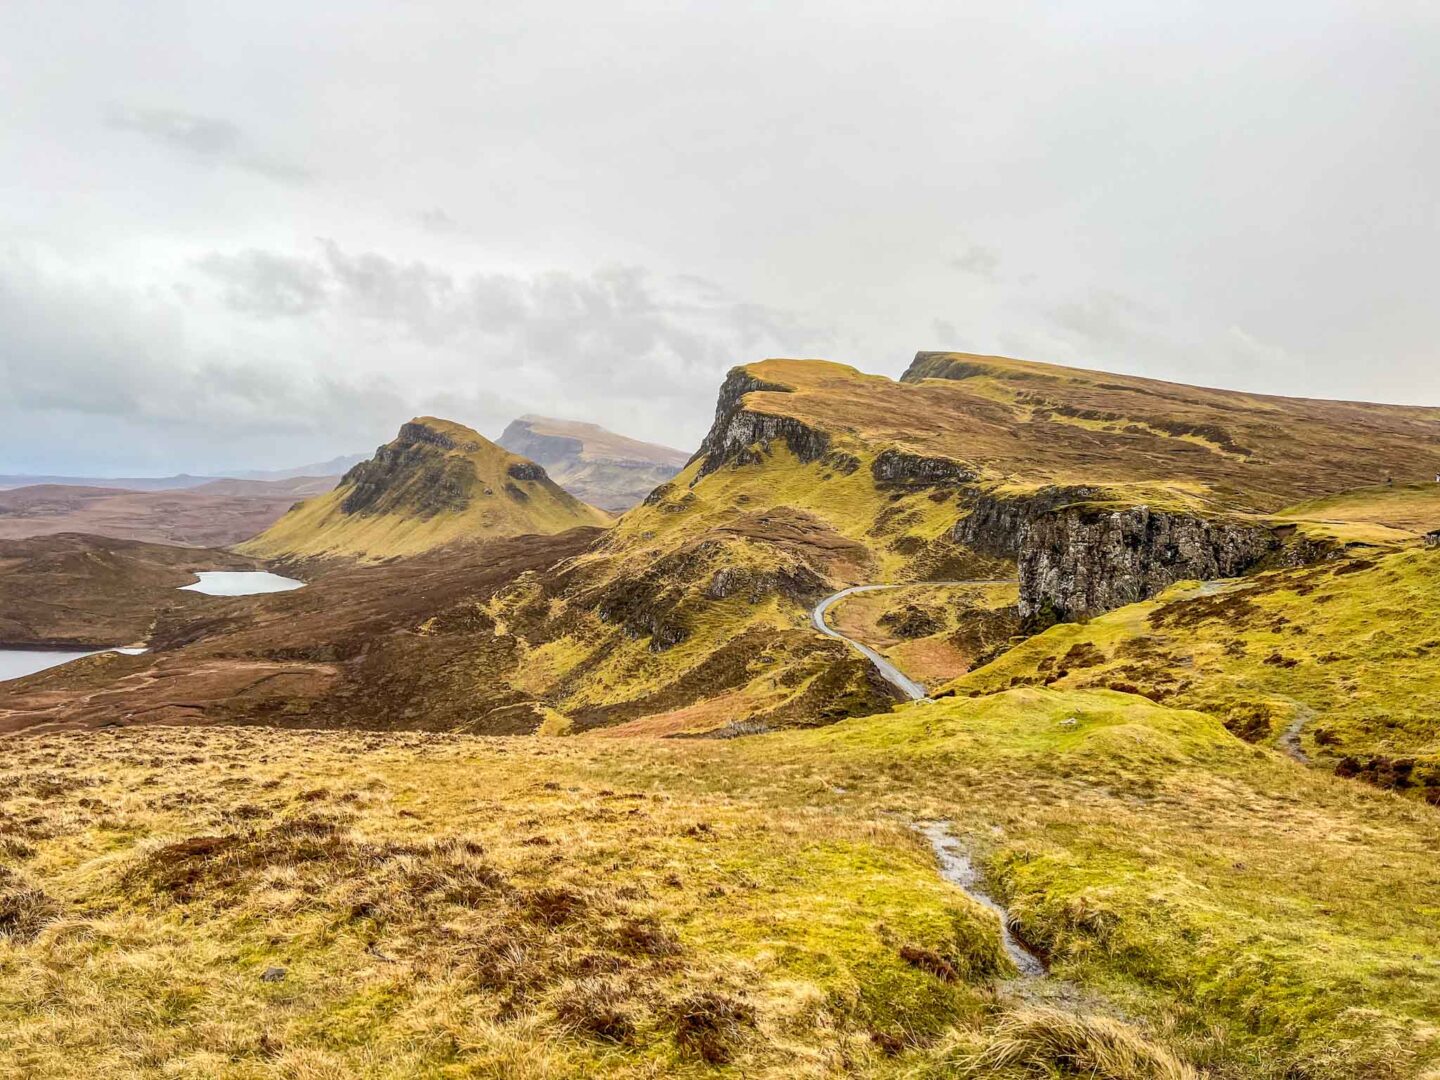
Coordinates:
<point>268,284</point>
<point>617,324</point>
<point>203,138</point>
<point>102,372</point>
<point>1224,193</point>
<point>978,260</point>
<point>1105,318</point>
<point>436,220</point>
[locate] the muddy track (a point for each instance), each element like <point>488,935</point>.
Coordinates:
<point>912,690</point>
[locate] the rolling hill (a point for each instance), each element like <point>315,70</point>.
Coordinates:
<point>436,483</point>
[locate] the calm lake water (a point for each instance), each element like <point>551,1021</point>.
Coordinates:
<point>17,662</point>
<point>241,583</point>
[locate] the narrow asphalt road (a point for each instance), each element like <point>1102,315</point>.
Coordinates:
<point>912,690</point>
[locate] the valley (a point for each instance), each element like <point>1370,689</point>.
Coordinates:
<point>743,781</point>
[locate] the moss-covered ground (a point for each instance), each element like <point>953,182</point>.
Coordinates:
<point>1336,660</point>
<point>244,902</point>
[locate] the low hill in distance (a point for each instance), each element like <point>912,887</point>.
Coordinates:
<point>436,483</point>
<point>217,513</point>
<point>76,591</point>
<point>597,466</point>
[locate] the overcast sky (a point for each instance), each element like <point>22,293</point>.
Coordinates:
<point>254,235</point>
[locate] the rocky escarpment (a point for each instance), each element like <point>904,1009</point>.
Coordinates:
<point>896,467</point>
<point>740,435</point>
<point>1082,560</point>
<point>414,472</point>
<point>1078,558</point>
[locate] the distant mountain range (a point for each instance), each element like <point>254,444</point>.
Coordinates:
<point>593,465</point>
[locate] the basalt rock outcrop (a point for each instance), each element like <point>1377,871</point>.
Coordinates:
<point>1078,558</point>
<point>738,433</point>
<point>1081,561</point>
<point>897,467</point>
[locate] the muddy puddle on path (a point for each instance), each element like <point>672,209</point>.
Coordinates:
<point>956,868</point>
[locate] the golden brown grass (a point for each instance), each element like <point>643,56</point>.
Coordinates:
<point>558,907</point>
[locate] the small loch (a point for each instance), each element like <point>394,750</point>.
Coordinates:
<point>17,663</point>
<point>241,583</point>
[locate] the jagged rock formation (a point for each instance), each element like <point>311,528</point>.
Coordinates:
<point>597,466</point>
<point>1084,560</point>
<point>436,483</point>
<point>1079,556</point>
<point>742,432</point>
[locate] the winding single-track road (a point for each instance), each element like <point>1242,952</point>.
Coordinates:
<point>912,690</point>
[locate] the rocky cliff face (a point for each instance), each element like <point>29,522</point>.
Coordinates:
<point>896,467</point>
<point>415,473</point>
<point>737,429</point>
<point>1077,558</point>
<point>1081,561</point>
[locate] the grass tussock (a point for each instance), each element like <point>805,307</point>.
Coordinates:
<point>1046,1042</point>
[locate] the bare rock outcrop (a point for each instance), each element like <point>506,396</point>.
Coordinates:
<point>1078,557</point>
<point>1084,560</point>
<point>737,429</point>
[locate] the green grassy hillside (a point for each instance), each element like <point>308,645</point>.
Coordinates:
<point>1336,660</point>
<point>437,483</point>
<point>238,903</point>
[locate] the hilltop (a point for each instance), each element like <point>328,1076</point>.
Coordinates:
<point>436,483</point>
<point>597,466</point>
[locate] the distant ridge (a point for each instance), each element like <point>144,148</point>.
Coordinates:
<point>607,470</point>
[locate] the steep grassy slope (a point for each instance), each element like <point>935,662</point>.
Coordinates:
<point>236,903</point>
<point>597,466</point>
<point>1341,661</point>
<point>815,476</point>
<point>437,483</point>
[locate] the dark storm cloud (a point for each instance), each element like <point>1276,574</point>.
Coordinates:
<point>203,138</point>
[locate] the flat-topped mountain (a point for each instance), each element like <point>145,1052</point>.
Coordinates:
<point>1021,423</point>
<point>436,483</point>
<point>604,469</point>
